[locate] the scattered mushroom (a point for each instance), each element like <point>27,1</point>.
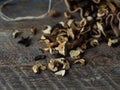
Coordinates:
<point>81,61</point>
<point>112,41</point>
<point>58,63</point>
<point>94,42</point>
<point>83,22</point>
<point>15,33</point>
<point>99,20</point>
<point>62,48</point>
<point>60,73</point>
<point>70,33</point>
<point>53,13</point>
<point>100,27</point>
<point>70,21</point>
<point>37,67</point>
<point>47,29</point>
<point>75,54</point>
<point>33,30</point>
<point>67,15</point>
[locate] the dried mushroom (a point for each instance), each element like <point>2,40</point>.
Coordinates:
<point>70,33</point>
<point>52,67</point>
<point>47,29</point>
<point>60,73</point>
<point>99,21</point>
<point>33,30</point>
<point>83,22</point>
<point>15,33</point>
<point>62,48</point>
<point>94,42</point>
<point>100,27</point>
<point>67,15</point>
<point>81,61</point>
<point>112,41</point>
<point>58,63</point>
<point>53,13</point>
<point>75,54</point>
<point>37,67</point>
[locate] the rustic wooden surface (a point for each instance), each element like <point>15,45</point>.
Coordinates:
<point>102,71</point>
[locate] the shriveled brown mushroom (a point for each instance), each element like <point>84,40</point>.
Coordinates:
<point>70,33</point>
<point>47,29</point>
<point>83,22</point>
<point>75,54</point>
<point>37,67</point>
<point>81,61</point>
<point>112,41</point>
<point>62,48</point>
<point>67,15</point>
<point>58,63</point>
<point>94,42</point>
<point>53,13</point>
<point>99,20</point>
<point>33,30</point>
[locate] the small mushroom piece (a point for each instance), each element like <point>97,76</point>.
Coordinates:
<point>58,63</point>
<point>84,46</point>
<point>79,49</point>
<point>60,73</point>
<point>112,41</point>
<point>46,41</point>
<point>47,29</point>
<point>86,13</point>
<point>67,15</point>
<point>96,33</point>
<point>83,22</point>
<point>100,13</point>
<point>52,44</point>
<point>74,54</point>
<point>66,64</point>
<point>43,68</point>
<point>94,42</point>
<point>15,33</point>
<point>100,27</point>
<point>70,21</point>
<point>37,67</point>
<point>70,33</point>
<point>53,13</point>
<point>43,37</point>
<point>81,61</point>
<point>62,23</point>
<point>53,51</point>
<point>60,38</point>
<point>52,66</point>
<point>62,48</point>
<point>33,30</point>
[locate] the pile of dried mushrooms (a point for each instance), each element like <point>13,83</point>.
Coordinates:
<point>100,21</point>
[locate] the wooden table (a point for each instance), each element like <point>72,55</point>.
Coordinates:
<point>102,71</point>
